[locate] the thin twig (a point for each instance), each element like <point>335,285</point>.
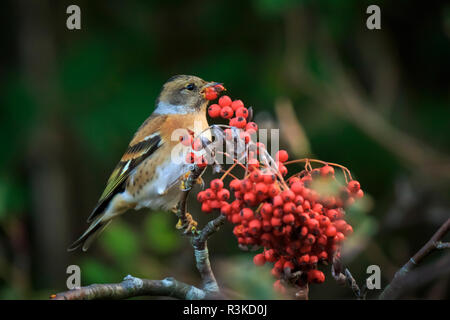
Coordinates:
<point>344,277</point>
<point>393,289</point>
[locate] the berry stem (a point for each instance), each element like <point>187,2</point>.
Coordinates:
<point>307,162</point>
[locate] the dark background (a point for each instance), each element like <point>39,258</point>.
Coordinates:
<point>375,101</point>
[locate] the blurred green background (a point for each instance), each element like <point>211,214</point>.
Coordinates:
<point>375,101</point>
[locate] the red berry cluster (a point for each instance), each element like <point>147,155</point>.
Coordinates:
<point>299,223</point>
<point>235,112</point>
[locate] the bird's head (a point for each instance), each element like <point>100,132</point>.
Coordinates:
<point>184,94</point>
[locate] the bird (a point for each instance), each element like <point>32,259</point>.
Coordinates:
<point>148,175</point>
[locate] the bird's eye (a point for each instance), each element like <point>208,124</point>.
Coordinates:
<point>190,86</point>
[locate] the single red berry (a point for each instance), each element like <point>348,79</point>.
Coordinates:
<point>298,200</point>
<point>254,226</point>
<point>310,239</point>
<point>206,207</point>
<point>223,195</point>
<point>313,259</point>
<point>323,255</point>
<point>242,112</point>
<point>288,219</point>
<point>240,122</point>
<point>261,188</point>
<point>278,201</point>
<point>324,221</point>
<point>236,104</point>
<point>353,186</point>
<point>235,185</point>
<point>282,156</point>
<point>269,178</point>
<point>288,195</point>
<point>201,196</point>
<point>226,112</point>
<point>312,224</point>
<point>236,218</point>
<point>216,184</point>
<point>246,185</point>
<point>339,237</point>
<point>316,276</point>
<point>224,101</point>
<point>276,222</point>
<point>303,231</point>
<point>236,206</point>
<point>330,231</point>
<point>273,190</point>
<point>322,240</point>
<point>214,110</point>
<point>259,259</point>
<point>225,208</point>
<point>283,170</point>
<point>215,204</point>
<point>297,187</point>
<point>304,259</point>
<point>210,194</point>
<point>278,212</point>
<point>210,94</point>
<point>250,198</point>
<point>289,207</point>
<point>256,176</point>
<point>247,213</point>
<point>359,194</point>
<point>327,171</point>
<point>348,230</point>
<point>266,209</point>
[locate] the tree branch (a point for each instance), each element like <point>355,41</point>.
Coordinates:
<point>346,278</point>
<point>134,287</point>
<point>169,287</point>
<point>392,290</point>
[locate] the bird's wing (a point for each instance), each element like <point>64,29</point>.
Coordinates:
<point>143,145</point>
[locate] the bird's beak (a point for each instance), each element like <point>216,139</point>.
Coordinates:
<point>217,87</point>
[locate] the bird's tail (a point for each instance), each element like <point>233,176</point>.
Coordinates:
<point>86,239</point>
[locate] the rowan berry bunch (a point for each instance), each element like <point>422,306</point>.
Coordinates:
<point>299,220</point>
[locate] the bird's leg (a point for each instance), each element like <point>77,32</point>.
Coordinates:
<point>186,223</point>
<point>189,225</point>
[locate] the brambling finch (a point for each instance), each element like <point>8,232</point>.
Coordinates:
<point>147,175</point>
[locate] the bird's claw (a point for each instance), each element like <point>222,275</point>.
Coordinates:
<point>200,182</point>
<point>184,180</point>
<point>189,225</point>
<point>185,187</point>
